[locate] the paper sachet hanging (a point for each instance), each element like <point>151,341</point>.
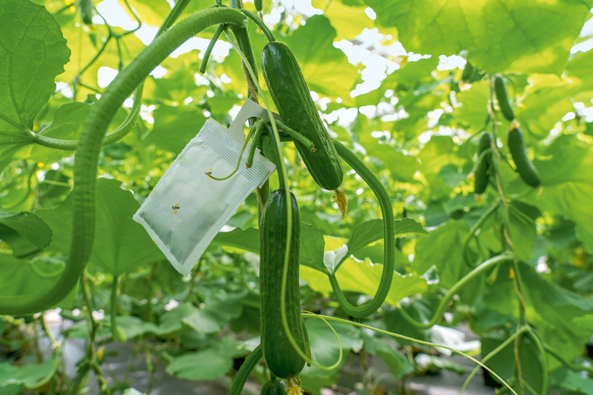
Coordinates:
<point>186,208</point>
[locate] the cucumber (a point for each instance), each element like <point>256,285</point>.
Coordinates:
<point>281,357</point>
<point>291,96</point>
<point>86,11</point>
<point>524,166</point>
<point>500,90</point>
<point>481,172</point>
<point>259,5</point>
<point>468,71</point>
<point>274,387</point>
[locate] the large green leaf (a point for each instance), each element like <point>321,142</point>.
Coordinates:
<point>326,68</point>
<point>442,248</point>
<point>401,167</point>
<point>549,308</point>
<point>326,351</point>
<point>214,316</point>
<point>22,277</point>
<point>365,277</point>
<point>500,35</point>
<point>547,101</point>
<point>567,182</point>
<point>348,20</point>
<point>28,375</point>
<point>121,244</point>
<point>580,66</point>
<point>18,227</point>
<point>32,52</point>
<point>152,12</point>
<point>311,243</point>
<point>474,105</point>
<point>522,228</point>
<point>372,230</point>
<point>398,364</point>
<point>504,363</point>
<point>209,363</point>
<point>174,127</point>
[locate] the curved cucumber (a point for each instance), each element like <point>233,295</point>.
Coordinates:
<point>291,96</point>
<point>524,166</point>
<point>279,354</point>
<point>481,173</point>
<point>372,181</point>
<point>500,90</point>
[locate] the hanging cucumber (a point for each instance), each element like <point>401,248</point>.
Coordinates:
<point>86,11</point>
<point>259,5</point>
<point>482,168</point>
<point>274,387</point>
<point>290,93</point>
<point>281,357</point>
<point>468,71</point>
<point>524,166</point>
<point>502,97</point>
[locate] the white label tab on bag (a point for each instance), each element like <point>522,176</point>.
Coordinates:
<point>187,208</point>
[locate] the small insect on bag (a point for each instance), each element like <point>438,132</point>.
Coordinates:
<point>187,208</point>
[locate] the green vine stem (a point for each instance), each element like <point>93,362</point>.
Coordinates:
<point>245,371</point>
<point>543,358</point>
<point>26,195</point>
<point>282,128</point>
<point>256,137</point>
<point>116,332</point>
<point>82,372</point>
<point>242,36</point>
<point>569,365</point>
<point>211,45</point>
<point>92,331</point>
<point>294,135</point>
<point>492,354</point>
<point>410,339</point>
<point>473,230</point>
<point>496,159</point>
<point>388,235</point>
<point>453,291</point>
<point>269,35</point>
<point>87,157</point>
<point>252,132</point>
<point>118,134</point>
<point>518,367</point>
<point>130,121</point>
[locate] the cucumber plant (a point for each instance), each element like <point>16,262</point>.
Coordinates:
<point>490,248</point>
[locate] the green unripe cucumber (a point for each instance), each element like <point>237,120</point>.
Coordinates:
<point>524,166</point>
<point>274,387</point>
<point>281,357</point>
<point>481,172</point>
<point>291,96</point>
<point>468,71</point>
<point>259,5</point>
<point>86,11</point>
<point>500,90</point>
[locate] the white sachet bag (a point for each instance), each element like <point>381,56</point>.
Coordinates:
<point>186,208</point>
